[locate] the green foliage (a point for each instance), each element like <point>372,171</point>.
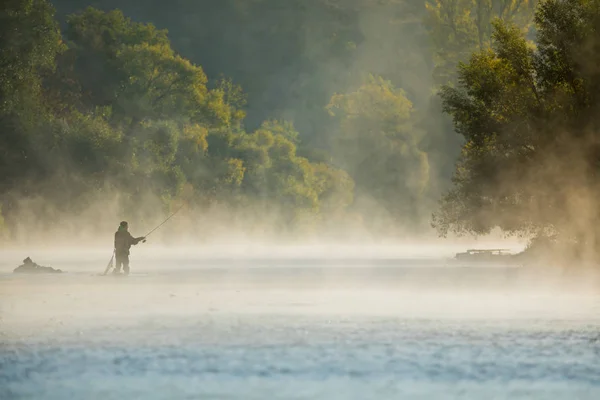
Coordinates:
<point>290,58</point>
<point>29,42</point>
<point>529,118</point>
<point>133,116</point>
<point>119,107</point>
<point>335,189</point>
<point>128,114</point>
<point>378,145</point>
<point>460,27</point>
<point>88,142</point>
<point>131,67</point>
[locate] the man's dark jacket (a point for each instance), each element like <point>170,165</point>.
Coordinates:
<point>124,241</point>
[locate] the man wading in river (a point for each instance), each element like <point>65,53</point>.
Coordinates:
<point>123,242</point>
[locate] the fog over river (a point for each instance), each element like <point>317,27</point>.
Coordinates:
<point>295,324</point>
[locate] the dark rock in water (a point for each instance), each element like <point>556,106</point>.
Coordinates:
<point>29,267</point>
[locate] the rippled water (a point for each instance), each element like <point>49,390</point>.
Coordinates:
<point>277,331</point>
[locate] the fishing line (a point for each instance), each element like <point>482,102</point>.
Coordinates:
<point>170,216</point>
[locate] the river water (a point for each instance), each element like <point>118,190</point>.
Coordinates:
<point>295,328</point>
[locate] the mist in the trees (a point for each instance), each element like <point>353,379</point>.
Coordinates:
<point>296,118</point>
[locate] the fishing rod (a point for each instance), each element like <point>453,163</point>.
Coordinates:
<point>162,223</point>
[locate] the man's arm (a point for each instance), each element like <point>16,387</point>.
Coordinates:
<point>135,241</point>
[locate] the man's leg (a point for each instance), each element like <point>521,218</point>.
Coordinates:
<point>118,262</point>
<point>126,265</point>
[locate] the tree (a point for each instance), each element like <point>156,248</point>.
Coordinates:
<point>378,145</point>
<point>530,122</point>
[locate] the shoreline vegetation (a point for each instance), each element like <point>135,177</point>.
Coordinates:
<point>382,119</point>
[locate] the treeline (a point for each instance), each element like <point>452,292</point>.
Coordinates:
<point>107,105</point>
<point>317,111</point>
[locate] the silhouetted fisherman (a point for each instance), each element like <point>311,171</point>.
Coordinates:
<point>29,267</point>
<point>123,242</point>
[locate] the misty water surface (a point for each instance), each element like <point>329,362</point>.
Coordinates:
<point>292,328</point>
